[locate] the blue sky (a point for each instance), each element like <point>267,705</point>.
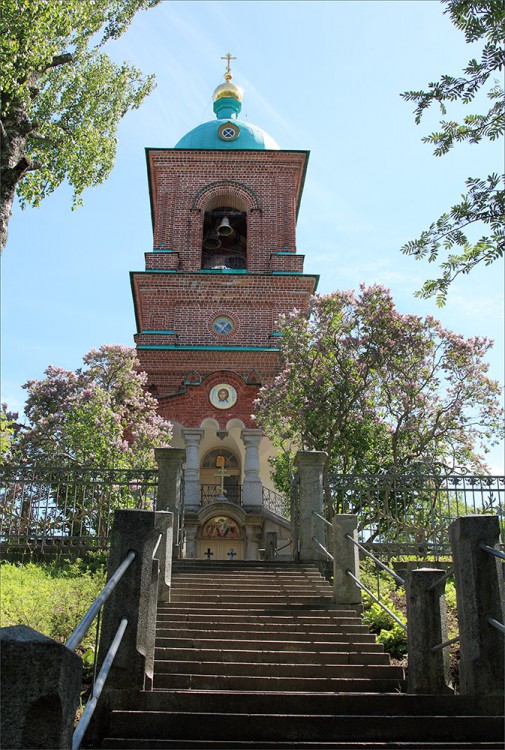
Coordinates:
<point>321,76</point>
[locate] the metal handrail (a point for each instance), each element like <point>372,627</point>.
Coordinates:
<point>322,518</point>
<point>98,686</point>
<point>496,624</point>
<point>328,554</point>
<point>397,578</point>
<point>377,601</point>
<point>492,551</point>
<point>442,579</point>
<point>157,545</point>
<point>92,612</point>
<point>445,644</point>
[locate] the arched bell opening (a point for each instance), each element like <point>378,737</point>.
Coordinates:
<point>224,241</point>
<point>220,477</point>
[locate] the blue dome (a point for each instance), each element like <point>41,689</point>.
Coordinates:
<point>228,134</point>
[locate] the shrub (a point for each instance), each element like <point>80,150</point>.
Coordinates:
<point>51,598</point>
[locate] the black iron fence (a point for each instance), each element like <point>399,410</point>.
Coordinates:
<point>410,513</point>
<point>53,508</point>
<point>213,493</point>
<point>277,503</point>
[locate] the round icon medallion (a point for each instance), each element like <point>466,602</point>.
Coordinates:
<point>223,396</point>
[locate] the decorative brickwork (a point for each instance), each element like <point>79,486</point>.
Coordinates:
<point>266,185</point>
<point>178,298</point>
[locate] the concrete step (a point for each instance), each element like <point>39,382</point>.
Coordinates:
<point>285,617</point>
<point>327,669</point>
<point>264,601</point>
<point>269,590</point>
<point>303,727</point>
<point>239,620</point>
<point>252,632</point>
<point>266,656</point>
<point>278,565</point>
<point>122,743</point>
<point>290,702</point>
<point>229,682</point>
<point>245,584</point>
<point>279,641</point>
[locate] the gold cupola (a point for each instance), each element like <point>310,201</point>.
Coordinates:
<point>228,90</point>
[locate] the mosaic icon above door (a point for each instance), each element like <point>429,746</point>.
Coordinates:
<point>221,527</point>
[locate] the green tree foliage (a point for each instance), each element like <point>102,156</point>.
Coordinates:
<point>101,415</point>
<point>62,96</point>
<point>7,432</point>
<point>379,390</point>
<point>484,202</point>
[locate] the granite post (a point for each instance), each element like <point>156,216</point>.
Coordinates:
<point>346,557</point>
<point>41,682</point>
<point>480,596</point>
<point>310,469</point>
<point>134,598</point>
<point>427,627</point>
<point>170,467</point>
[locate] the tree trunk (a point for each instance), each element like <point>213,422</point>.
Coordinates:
<point>14,164</point>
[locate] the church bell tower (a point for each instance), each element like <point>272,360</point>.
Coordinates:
<point>224,267</point>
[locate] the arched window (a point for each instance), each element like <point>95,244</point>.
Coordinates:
<point>211,459</point>
<point>220,475</point>
<point>224,241</point>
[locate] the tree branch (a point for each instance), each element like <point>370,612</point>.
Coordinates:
<point>58,60</point>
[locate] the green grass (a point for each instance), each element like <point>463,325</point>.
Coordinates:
<point>51,598</point>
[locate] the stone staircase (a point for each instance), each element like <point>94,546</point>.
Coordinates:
<point>256,655</point>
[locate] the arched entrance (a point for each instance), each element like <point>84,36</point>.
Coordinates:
<point>221,538</point>
<point>220,476</point>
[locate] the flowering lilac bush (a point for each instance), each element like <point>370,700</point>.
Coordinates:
<point>100,415</point>
<point>380,390</point>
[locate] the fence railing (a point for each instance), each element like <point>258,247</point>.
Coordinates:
<point>211,493</point>
<point>410,513</point>
<point>52,508</point>
<point>277,503</point>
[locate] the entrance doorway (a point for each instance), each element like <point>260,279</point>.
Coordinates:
<point>221,538</point>
<point>220,550</point>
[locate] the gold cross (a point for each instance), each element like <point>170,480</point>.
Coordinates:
<point>228,57</point>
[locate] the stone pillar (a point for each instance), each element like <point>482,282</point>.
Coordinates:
<point>427,627</point>
<point>134,597</point>
<point>192,438</point>
<point>252,533</point>
<point>270,546</point>
<point>190,548</point>
<point>170,461</point>
<point>41,686</point>
<point>252,496</point>
<point>164,524</point>
<point>480,595</point>
<point>310,469</point>
<point>346,557</point>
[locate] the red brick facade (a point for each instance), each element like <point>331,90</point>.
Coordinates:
<point>177,299</point>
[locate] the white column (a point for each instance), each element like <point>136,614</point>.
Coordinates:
<point>192,439</point>
<point>252,489</point>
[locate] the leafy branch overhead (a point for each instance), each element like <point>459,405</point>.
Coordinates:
<point>62,96</point>
<point>484,202</point>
